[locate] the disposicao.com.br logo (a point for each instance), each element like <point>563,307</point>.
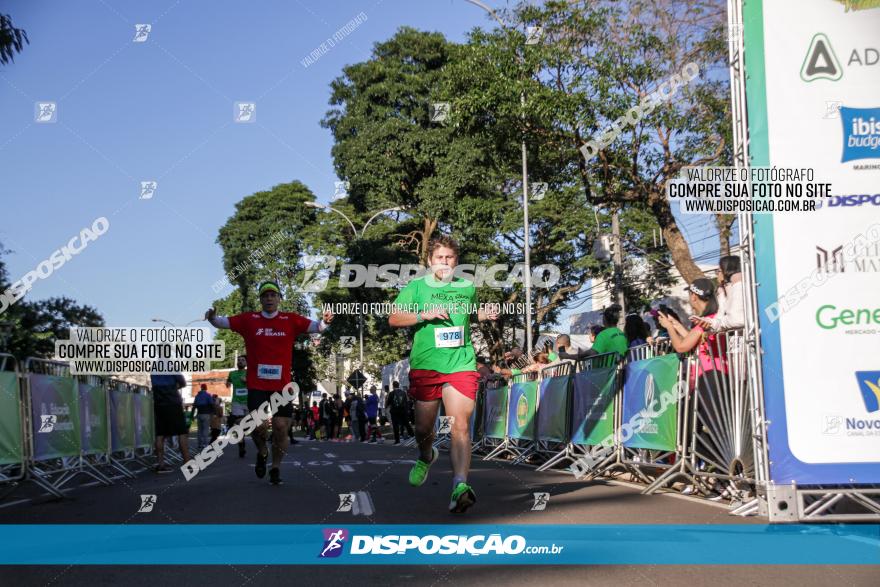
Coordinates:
<point>320,268</point>
<point>403,544</point>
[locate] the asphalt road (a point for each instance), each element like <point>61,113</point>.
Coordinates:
<point>314,475</point>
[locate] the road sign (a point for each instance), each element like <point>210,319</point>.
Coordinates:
<point>356,379</point>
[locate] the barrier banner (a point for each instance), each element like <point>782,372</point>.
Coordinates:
<point>11,444</point>
<point>121,420</point>
<point>592,415</point>
<point>495,413</point>
<point>522,409</point>
<point>54,416</point>
<point>553,413</point>
<point>143,420</point>
<point>648,420</point>
<point>478,406</point>
<point>93,417</point>
<point>813,103</point>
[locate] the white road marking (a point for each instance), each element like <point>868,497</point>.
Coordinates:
<point>329,455</point>
<point>363,504</point>
<point>346,468</point>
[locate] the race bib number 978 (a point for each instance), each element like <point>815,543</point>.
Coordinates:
<point>449,337</point>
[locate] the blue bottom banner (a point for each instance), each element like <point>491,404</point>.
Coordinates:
<point>476,544</point>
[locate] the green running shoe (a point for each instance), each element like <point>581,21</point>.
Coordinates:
<point>463,497</point>
<point>419,472</point>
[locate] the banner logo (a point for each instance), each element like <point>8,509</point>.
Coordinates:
<point>541,501</point>
<point>147,503</point>
<point>861,133</point>
<point>446,423</point>
<point>820,61</point>
<point>830,263</point>
<point>522,410</point>
<point>869,384</point>
<point>832,424</point>
<point>346,500</point>
<point>47,423</point>
<point>334,540</point>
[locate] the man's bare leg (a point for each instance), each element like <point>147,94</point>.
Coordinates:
<point>426,417</point>
<point>459,407</point>
<point>280,440</point>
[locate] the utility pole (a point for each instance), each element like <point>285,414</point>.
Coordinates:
<point>618,262</point>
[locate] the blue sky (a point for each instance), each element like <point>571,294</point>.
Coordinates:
<point>163,110</point>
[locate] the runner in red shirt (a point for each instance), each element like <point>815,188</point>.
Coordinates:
<point>269,337</point>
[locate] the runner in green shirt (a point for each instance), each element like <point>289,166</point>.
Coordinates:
<point>442,362</point>
<point>237,381</point>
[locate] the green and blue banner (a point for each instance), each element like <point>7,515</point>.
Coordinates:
<point>11,442</point>
<point>443,544</point>
<point>122,424</point>
<point>592,414</point>
<point>55,421</point>
<point>93,418</point>
<point>143,421</point>
<point>553,410</point>
<point>522,409</point>
<point>650,406</point>
<point>495,413</point>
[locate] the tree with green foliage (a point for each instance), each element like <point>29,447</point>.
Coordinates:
<point>265,240</point>
<point>597,60</point>
<point>32,327</point>
<point>12,40</point>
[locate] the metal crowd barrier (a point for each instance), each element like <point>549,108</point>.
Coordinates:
<point>698,439</point>
<point>12,418</point>
<point>55,439</point>
<point>55,427</point>
<point>588,409</point>
<point>521,407</point>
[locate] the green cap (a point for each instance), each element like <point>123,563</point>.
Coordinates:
<point>268,286</point>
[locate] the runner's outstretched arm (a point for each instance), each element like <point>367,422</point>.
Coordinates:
<point>215,320</point>
<point>326,319</point>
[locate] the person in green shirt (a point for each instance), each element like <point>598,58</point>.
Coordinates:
<point>442,362</point>
<point>237,381</point>
<point>612,338</point>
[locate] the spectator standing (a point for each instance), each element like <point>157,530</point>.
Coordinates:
<point>637,332</point>
<point>203,409</point>
<point>731,311</point>
<point>371,408</point>
<point>355,409</point>
<point>169,417</point>
<point>398,406</point>
<point>216,418</point>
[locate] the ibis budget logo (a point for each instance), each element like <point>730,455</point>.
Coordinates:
<point>869,385</point>
<point>522,410</point>
<point>861,133</point>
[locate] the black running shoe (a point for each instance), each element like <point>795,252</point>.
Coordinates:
<point>274,476</point>
<point>260,469</point>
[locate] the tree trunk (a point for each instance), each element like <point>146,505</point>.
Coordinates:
<point>430,224</point>
<point>724,223</point>
<point>675,241</point>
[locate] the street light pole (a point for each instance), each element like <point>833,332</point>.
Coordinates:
<point>525,180</point>
<point>358,235</point>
